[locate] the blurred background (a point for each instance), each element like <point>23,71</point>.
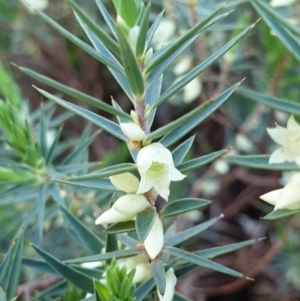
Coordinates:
<point>240,124</point>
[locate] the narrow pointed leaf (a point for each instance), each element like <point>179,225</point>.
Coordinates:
<point>85,47</point>
<point>40,265</point>
<point>154,27</point>
<point>106,172</point>
<point>75,93</point>
<point>121,227</point>
<point>173,136</point>
<point>144,289</point>
<point>277,214</point>
<point>182,43</point>
<point>270,101</point>
<point>79,279</point>
<point>127,240</point>
<point>97,30</point>
<point>102,122</point>
<point>261,162</point>
<point>200,261</point>
<point>5,265</point>
<point>105,256</point>
<point>141,40</point>
<point>56,289</point>
<point>89,239</point>
<point>106,16</point>
<point>286,38</point>
<point>181,150</point>
<point>51,152</point>
<point>42,198</point>
<point>144,221</point>
<point>201,161</point>
<point>101,291</point>
<point>217,251</point>
<point>13,280</point>
<point>183,205</point>
<point>183,236</point>
<point>132,70</point>
<point>55,193</point>
<point>159,275</point>
<point>43,129</point>
<point>276,15</point>
<point>200,68</point>
<point>111,244</point>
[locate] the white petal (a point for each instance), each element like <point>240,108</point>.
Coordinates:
<point>131,204</point>
<point>155,152</point>
<point>112,216</point>
<point>290,195</point>
<point>278,156</point>
<point>170,286</point>
<point>133,131</point>
<point>298,160</point>
<point>278,134</point>
<point>176,175</point>
<point>126,182</point>
<point>145,185</point>
<point>142,272</point>
<point>292,124</point>
<point>271,197</point>
<point>277,3</point>
<point>155,239</point>
<point>162,187</point>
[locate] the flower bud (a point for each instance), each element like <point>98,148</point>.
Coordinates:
<point>126,182</point>
<point>131,204</point>
<point>155,239</point>
<point>142,273</point>
<point>133,131</point>
<point>112,216</point>
<point>271,197</point>
<point>170,286</point>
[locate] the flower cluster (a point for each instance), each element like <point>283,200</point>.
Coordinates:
<point>289,140</point>
<point>155,165</point>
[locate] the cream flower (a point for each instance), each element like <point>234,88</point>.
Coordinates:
<point>141,264</point>
<point>156,167</point>
<point>170,286</point>
<point>124,209</point>
<point>277,3</point>
<point>126,182</point>
<point>155,239</point>
<point>133,131</point>
<point>289,139</point>
<point>286,198</point>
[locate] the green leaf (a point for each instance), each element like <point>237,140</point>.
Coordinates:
<point>2,294</point>
<point>89,239</point>
<point>200,261</point>
<point>78,278</point>
<point>101,291</point>
<point>111,244</point>
<point>127,240</point>
<point>97,30</point>
<point>40,265</point>
<point>281,213</point>
<point>43,130</point>
<point>183,205</point>
<point>154,27</point>
<point>13,278</point>
<point>75,93</point>
<point>121,227</point>
<point>201,161</point>
<point>286,38</point>
<point>159,275</point>
<point>141,40</point>
<point>131,67</point>
<point>270,101</point>
<point>183,236</point>
<point>42,198</point>
<point>85,47</point>
<point>129,11</point>
<point>144,221</point>
<point>98,184</point>
<point>143,290</point>
<point>217,251</point>
<point>51,152</point>
<point>105,256</point>
<point>200,68</point>
<point>261,162</point>
<point>106,16</point>
<point>197,116</point>
<point>106,172</point>
<point>181,150</point>
<point>6,263</point>
<point>165,58</point>
<point>102,122</point>
<point>54,290</point>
